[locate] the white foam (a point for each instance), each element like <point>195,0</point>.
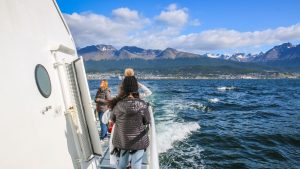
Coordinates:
<point>186,105</point>
<point>168,129</point>
<point>214,100</point>
<point>224,88</point>
<point>169,132</point>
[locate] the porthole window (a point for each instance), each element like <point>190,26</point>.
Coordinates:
<point>42,80</point>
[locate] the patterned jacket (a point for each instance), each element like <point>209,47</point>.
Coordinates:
<point>131,117</point>
<point>103,97</point>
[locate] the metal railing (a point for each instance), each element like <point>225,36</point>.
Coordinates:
<point>154,162</point>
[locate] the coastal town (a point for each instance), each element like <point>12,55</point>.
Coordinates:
<point>184,76</point>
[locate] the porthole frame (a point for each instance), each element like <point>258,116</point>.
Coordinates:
<point>38,85</point>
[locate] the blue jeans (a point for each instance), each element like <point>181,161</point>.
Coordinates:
<point>136,159</point>
<point>103,132</point>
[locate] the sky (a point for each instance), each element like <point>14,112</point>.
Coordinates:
<point>198,26</point>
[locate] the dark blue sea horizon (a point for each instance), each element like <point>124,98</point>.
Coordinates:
<point>225,123</point>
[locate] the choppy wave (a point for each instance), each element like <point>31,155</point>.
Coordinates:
<point>224,88</point>
<point>183,155</point>
<point>214,100</point>
<point>190,105</point>
<point>169,132</point>
<point>168,129</point>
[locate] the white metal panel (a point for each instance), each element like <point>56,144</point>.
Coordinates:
<point>87,105</point>
<point>82,130</point>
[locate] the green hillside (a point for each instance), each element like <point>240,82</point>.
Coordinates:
<point>203,65</point>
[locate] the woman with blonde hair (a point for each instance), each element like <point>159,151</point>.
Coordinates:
<point>102,98</point>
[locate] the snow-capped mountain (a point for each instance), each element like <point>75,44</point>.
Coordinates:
<point>108,52</point>
<point>97,52</point>
<point>285,51</point>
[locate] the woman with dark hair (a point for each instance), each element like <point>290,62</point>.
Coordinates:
<point>131,117</point>
<point>145,91</point>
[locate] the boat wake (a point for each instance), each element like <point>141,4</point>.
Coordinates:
<point>169,129</point>
<point>170,132</point>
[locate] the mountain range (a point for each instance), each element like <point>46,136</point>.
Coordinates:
<point>285,51</point>
<point>108,52</point>
<point>284,57</point>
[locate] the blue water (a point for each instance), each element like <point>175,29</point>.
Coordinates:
<point>225,123</point>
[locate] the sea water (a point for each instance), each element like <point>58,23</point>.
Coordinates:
<point>225,123</point>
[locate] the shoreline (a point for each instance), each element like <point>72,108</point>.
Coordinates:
<point>143,76</point>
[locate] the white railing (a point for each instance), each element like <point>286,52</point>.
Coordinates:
<point>154,162</point>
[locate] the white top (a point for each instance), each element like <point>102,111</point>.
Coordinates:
<point>145,91</point>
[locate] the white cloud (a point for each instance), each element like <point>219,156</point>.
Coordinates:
<point>128,27</point>
<point>125,14</point>
<point>225,38</point>
<point>91,28</point>
<point>173,16</point>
